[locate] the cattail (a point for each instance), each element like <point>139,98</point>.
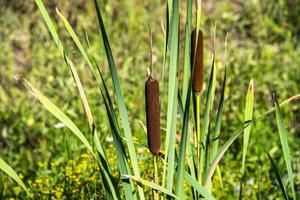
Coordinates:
<point>153,115</point>
<point>197,60</point>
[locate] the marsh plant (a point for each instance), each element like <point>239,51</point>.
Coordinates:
<point>186,152</point>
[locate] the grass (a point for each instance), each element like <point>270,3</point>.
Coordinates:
<point>222,121</point>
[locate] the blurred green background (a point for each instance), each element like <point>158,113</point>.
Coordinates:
<point>263,44</point>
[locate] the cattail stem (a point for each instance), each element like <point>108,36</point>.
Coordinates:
<point>153,115</point>
<point>155,179</point>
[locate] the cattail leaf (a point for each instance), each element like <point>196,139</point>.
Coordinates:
<point>187,50</point>
<point>195,184</point>
<point>53,109</point>
<point>117,139</point>
<point>284,145</point>
<point>169,161</point>
<point>151,185</point>
<point>11,173</point>
<point>278,177</point>
<point>77,42</point>
<point>221,153</point>
<point>119,99</point>
<point>206,120</point>
<point>183,144</point>
<point>123,166</point>
<point>50,25</point>
<point>86,106</point>
<point>285,102</point>
<point>248,117</point>
<point>216,131</point>
<point>61,116</point>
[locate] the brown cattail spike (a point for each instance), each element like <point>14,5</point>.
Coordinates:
<point>153,114</point>
<point>197,60</point>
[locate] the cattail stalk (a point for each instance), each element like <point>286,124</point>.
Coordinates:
<point>197,60</point>
<point>153,115</point>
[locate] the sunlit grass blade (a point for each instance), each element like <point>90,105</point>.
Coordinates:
<point>221,153</point>
<point>119,99</point>
<point>278,177</point>
<point>284,145</point>
<point>151,185</point>
<point>195,184</point>
<point>11,173</point>
<point>285,102</point>
<point>53,109</point>
<point>77,42</point>
<point>87,109</point>
<point>248,117</point>
<point>50,25</point>
<point>172,98</point>
<point>60,115</point>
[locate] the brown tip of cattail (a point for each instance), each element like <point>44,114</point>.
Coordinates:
<point>197,60</point>
<point>153,115</point>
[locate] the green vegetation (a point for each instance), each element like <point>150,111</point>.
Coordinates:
<point>72,111</point>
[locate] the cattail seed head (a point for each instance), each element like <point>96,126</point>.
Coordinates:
<point>197,60</point>
<point>153,115</point>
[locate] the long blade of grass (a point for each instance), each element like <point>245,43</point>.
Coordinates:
<point>278,177</point>
<point>182,148</point>
<point>121,155</point>
<point>216,132</point>
<point>284,145</point>
<point>123,167</point>
<point>119,99</point>
<point>187,50</point>
<point>87,109</point>
<point>195,184</point>
<point>77,42</point>
<point>53,109</point>
<point>285,102</point>
<point>206,119</point>
<point>172,98</point>
<point>11,173</point>
<point>221,153</point>
<point>248,117</point>
<point>151,185</point>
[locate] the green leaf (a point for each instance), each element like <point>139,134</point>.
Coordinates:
<point>248,117</point>
<point>151,185</point>
<point>278,177</point>
<point>57,41</point>
<point>187,50</point>
<point>195,184</point>
<point>183,144</point>
<point>172,97</point>
<point>284,145</point>
<point>52,108</point>
<point>11,173</point>
<point>123,166</point>
<point>77,42</point>
<point>119,99</point>
<point>221,153</point>
<point>216,131</point>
